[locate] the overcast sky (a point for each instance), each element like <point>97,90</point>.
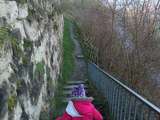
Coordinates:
<point>120,2</point>
<point>154,1</point>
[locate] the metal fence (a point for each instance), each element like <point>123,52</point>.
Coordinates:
<point>124,103</point>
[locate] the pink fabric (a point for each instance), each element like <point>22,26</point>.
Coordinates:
<point>59,118</point>
<point>86,109</point>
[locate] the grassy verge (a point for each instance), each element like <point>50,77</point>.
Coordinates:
<point>68,50</point>
<point>67,69</point>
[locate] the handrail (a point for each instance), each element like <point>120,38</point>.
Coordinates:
<point>130,90</point>
<point>114,93</point>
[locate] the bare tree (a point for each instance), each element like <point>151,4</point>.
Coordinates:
<point>126,37</point>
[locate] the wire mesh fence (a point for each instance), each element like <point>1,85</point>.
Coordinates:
<point>124,103</point>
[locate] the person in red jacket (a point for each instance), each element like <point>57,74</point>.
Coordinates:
<point>80,107</point>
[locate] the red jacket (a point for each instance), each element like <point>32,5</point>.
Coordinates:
<point>85,111</point>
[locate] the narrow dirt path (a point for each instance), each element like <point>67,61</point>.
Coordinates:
<point>80,71</point>
<point>80,74</point>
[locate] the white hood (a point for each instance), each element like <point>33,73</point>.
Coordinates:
<point>71,110</point>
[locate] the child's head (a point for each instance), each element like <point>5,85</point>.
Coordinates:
<point>79,92</point>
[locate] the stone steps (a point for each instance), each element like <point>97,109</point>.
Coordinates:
<point>79,56</point>
<point>76,82</point>
<point>68,92</point>
<point>72,86</point>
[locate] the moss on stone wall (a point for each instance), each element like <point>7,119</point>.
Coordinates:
<point>27,44</point>
<point>6,36</point>
<point>21,1</point>
<point>18,83</point>
<point>55,27</point>
<point>11,102</point>
<point>40,68</point>
<point>16,47</point>
<point>31,13</point>
<point>3,35</point>
<point>25,60</point>
<point>39,71</point>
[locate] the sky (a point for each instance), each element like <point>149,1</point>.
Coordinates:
<point>121,2</point>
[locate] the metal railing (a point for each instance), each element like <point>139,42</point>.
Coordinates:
<point>124,103</point>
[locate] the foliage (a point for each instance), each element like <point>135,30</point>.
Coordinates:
<point>11,102</point>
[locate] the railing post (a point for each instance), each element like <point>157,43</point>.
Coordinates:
<point>118,103</point>
<point>113,99</point>
<point>115,102</point>
<point>110,86</point>
<point>135,109</point>
<point>126,107</point>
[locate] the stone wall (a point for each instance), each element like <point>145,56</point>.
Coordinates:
<point>31,34</point>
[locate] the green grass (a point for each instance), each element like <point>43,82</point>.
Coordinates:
<point>68,50</point>
<point>67,70</point>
